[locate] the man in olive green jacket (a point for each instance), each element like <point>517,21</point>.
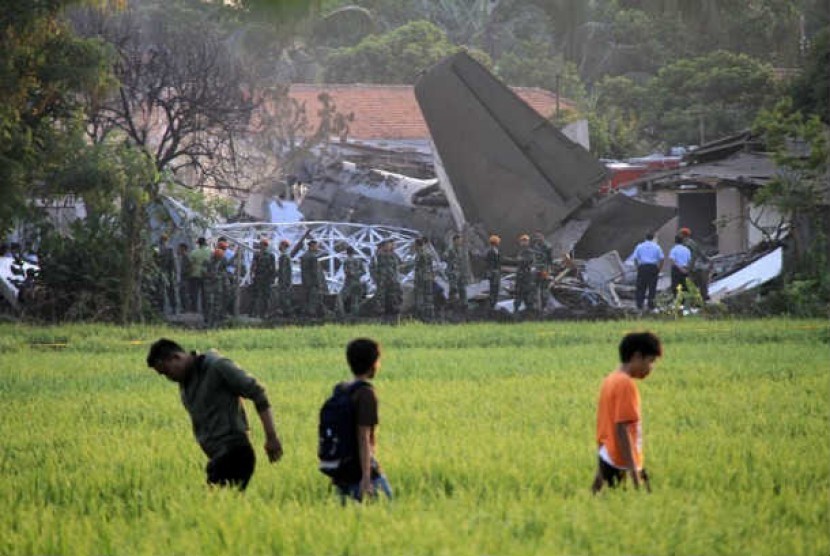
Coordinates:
<point>211,387</point>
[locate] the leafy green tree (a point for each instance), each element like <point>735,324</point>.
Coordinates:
<point>811,89</point>
<point>532,64</point>
<point>43,69</point>
<point>699,99</point>
<point>113,182</point>
<point>801,147</point>
<point>395,57</point>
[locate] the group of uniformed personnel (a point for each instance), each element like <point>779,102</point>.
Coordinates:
<point>204,279</point>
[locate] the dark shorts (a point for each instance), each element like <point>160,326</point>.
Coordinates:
<point>610,474</point>
<point>232,468</point>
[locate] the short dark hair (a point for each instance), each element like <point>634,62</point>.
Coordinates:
<point>201,241</point>
<point>645,343</point>
<point>650,236</point>
<point>678,239</point>
<point>161,350</point>
<point>362,353</point>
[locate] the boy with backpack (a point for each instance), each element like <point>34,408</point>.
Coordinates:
<point>348,423</point>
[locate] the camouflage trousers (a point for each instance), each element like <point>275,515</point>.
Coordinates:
<point>313,300</point>
<point>350,296</point>
<point>526,293</point>
<point>215,304</point>
<point>494,278</point>
<point>424,299</point>
<point>388,298</point>
<point>260,299</point>
<point>458,289</point>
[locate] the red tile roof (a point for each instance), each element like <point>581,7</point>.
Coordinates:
<point>391,111</point>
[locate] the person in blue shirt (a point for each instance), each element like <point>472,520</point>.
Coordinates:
<point>680,256</point>
<point>648,256</point>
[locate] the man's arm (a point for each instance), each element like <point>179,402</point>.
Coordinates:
<point>621,430</point>
<point>242,384</point>
<point>364,444</point>
<point>273,447</point>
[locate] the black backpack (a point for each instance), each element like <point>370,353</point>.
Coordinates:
<point>337,448</point>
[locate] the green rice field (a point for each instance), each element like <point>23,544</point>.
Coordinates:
<point>487,436</point>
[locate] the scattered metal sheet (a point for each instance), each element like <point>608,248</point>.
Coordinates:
<point>505,166</point>
<point>619,223</point>
<point>347,193</point>
<point>11,276</point>
<point>601,272</point>
<point>758,272</point>
<point>563,240</point>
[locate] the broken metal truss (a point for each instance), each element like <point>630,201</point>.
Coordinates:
<point>333,238</point>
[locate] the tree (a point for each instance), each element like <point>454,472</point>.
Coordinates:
<point>395,57</point>
<point>800,193</point>
<point>698,99</point>
<point>533,64</point>
<point>181,95</point>
<point>43,69</point>
<point>811,89</point>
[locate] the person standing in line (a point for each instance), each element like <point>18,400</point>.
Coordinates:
<point>232,279</point>
<point>388,294</point>
<point>525,286</point>
<point>680,256</point>
<point>167,269</point>
<point>457,260</point>
<point>699,266</point>
<point>619,418</point>
<point>493,261</point>
<point>424,278</point>
<point>211,387</point>
<point>199,258</point>
<point>263,271</point>
<point>314,282</point>
<point>542,268</point>
<point>183,271</point>
<point>648,256</point>
<point>284,279</point>
<point>216,288</point>
<point>352,292</point>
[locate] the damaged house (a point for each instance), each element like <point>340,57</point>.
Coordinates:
<point>713,194</point>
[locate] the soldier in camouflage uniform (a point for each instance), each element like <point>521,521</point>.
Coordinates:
<point>185,303</point>
<point>216,287</point>
<point>284,278</point>
<point>263,272</point>
<point>352,293</point>
<point>385,274</point>
<point>313,280</point>
<point>542,268</point>
<point>198,260</point>
<point>457,270</point>
<point>424,279</point>
<point>525,287</point>
<point>493,262</point>
<point>167,269</point>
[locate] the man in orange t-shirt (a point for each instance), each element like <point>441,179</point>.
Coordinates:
<point>619,420</point>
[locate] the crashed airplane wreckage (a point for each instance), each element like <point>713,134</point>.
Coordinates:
<point>501,169</point>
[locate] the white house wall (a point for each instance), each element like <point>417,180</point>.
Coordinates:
<point>730,213</point>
